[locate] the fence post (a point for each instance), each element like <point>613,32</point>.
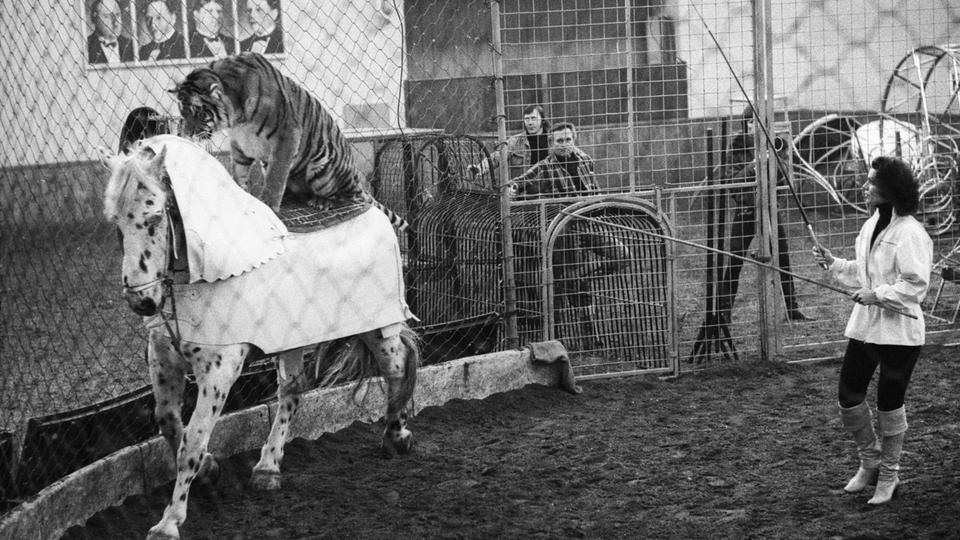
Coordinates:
<point>631,91</point>
<point>506,223</point>
<point>766,214</point>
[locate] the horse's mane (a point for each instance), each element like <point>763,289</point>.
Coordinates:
<point>125,178</point>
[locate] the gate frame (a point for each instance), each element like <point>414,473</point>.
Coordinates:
<point>622,201</point>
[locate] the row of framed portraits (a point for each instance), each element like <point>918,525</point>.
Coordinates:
<point>137,32</point>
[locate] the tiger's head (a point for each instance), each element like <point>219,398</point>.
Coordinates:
<point>204,107</point>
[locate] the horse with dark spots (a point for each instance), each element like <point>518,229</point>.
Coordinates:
<point>140,201</point>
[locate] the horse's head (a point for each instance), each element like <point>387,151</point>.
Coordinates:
<point>137,199</point>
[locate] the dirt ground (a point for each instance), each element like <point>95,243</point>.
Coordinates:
<point>745,451</point>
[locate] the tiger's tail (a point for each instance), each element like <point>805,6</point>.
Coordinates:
<point>395,219</point>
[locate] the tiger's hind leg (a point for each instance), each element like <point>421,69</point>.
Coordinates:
<point>291,382</point>
<point>398,357</point>
<point>216,369</point>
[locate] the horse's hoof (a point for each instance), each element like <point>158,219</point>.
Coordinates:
<point>209,473</point>
<point>397,443</point>
<point>265,481</point>
<point>162,533</point>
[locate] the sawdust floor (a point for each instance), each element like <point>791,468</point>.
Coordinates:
<point>746,451</point>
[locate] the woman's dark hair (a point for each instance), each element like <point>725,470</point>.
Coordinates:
<point>544,123</point>
<point>895,182</point>
<point>142,122</point>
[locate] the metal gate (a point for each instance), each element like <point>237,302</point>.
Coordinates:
<point>592,279</point>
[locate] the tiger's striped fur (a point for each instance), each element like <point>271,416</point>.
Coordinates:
<point>272,119</point>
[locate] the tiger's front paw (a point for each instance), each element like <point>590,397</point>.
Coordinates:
<point>320,204</point>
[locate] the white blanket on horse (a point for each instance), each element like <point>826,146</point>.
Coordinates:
<point>333,283</point>
<point>228,231</point>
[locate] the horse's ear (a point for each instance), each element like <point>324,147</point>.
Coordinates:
<point>155,165</point>
<point>108,159</point>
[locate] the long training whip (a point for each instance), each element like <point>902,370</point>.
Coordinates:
<point>766,133</point>
<point>735,256</point>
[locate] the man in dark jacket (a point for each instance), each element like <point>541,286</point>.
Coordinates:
<point>741,167</point>
<point>586,251</point>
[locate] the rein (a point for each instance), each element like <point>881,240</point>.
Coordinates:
<point>172,330</point>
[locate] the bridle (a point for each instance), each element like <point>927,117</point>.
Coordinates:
<point>166,279</point>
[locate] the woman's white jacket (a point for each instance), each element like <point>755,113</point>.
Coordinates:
<point>897,269</point>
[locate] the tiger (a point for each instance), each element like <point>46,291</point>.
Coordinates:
<point>271,119</point>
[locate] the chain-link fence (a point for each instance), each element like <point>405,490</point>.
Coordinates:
<point>510,239</point>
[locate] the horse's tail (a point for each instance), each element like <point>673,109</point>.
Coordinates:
<point>353,361</point>
<point>411,362</point>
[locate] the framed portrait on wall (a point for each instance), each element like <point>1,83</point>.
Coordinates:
<point>160,30</point>
<point>110,35</point>
<point>260,26</point>
<point>137,32</point>
<point>211,25</point>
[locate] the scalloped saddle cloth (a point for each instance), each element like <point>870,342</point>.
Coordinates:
<point>336,282</point>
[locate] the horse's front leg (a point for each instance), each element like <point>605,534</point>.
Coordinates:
<point>398,356</point>
<point>291,382</point>
<point>167,377</point>
<point>216,369</point>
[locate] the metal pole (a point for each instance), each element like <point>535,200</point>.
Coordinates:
<point>506,223</point>
<point>773,163</point>
<point>764,226</point>
<point>631,135</point>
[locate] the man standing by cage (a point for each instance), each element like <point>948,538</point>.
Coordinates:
<point>524,149</point>
<point>587,252</point>
<point>741,167</point>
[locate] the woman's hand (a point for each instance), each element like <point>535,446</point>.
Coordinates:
<point>865,297</point>
<point>823,256</point>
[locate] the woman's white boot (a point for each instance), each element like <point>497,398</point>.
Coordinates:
<point>859,422</point>
<point>893,426</point>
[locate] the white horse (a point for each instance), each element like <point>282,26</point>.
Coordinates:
<point>140,200</point>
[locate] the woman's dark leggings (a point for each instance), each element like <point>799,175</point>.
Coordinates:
<point>861,360</point>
